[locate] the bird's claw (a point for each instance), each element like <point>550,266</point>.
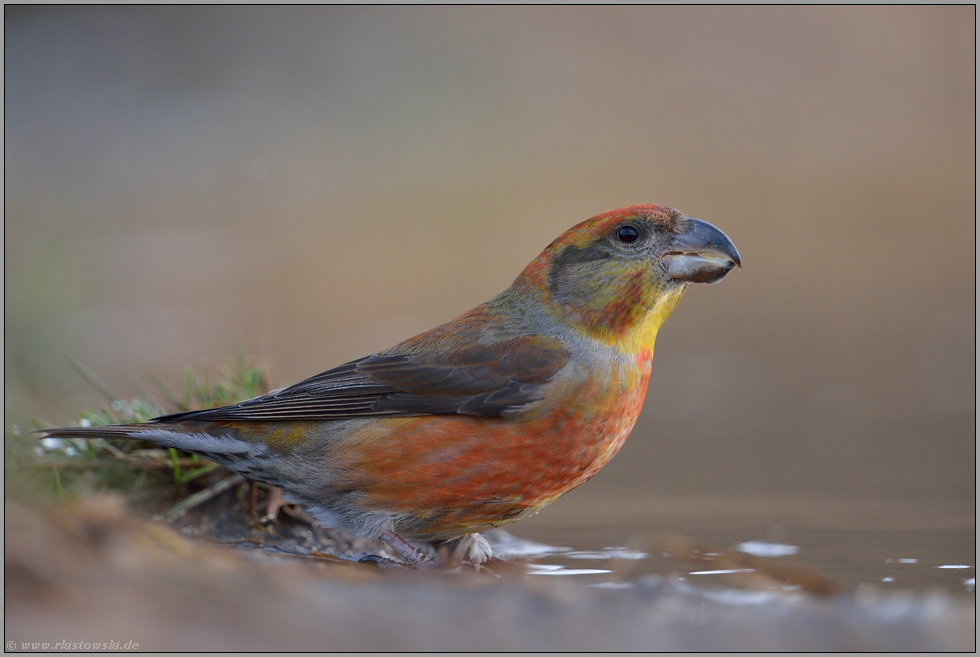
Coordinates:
<point>383,562</point>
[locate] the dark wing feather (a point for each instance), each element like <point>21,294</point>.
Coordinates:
<point>484,381</point>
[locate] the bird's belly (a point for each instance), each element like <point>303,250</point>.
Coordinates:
<point>445,476</point>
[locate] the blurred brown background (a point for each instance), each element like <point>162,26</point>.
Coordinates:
<point>320,183</point>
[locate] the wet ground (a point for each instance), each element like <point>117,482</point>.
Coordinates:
<point>897,560</point>
<point>94,572</point>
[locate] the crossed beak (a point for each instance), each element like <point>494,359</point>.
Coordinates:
<point>700,253</point>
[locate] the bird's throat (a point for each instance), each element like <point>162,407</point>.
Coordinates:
<point>643,332</point>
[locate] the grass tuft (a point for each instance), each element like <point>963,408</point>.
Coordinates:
<point>62,468</point>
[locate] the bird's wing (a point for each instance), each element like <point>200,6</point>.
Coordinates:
<point>484,381</point>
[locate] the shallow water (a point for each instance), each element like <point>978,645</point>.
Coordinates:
<point>91,571</point>
<point>919,561</point>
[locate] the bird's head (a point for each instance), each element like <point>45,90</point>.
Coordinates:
<point>617,276</point>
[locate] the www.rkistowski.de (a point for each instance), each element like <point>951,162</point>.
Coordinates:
<point>73,645</point>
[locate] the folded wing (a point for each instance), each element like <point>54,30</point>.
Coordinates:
<point>478,380</point>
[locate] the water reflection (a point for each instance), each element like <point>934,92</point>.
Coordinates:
<point>767,549</point>
<point>606,553</point>
<point>817,562</point>
<point>552,569</point>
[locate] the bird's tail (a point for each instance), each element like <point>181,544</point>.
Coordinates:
<point>112,431</point>
<point>219,444</point>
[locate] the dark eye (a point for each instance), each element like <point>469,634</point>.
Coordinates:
<point>628,233</point>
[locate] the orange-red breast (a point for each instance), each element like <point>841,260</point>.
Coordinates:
<point>483,420</point>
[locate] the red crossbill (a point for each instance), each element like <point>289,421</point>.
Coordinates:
<point>483,420</point>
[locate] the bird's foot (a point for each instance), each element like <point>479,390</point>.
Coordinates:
<point>406,550</point>
<point>383,562</point>
<point>472,549</point>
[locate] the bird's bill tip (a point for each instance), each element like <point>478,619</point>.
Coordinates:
<point>700,253</point>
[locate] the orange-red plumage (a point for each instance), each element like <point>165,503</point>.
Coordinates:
<point>482,420</point>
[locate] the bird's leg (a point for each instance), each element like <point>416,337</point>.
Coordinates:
<point>405,550</point>
<point>383,562</point>
<point>471,548</point>
<point>273,505</point>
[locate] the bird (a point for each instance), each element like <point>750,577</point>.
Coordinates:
<point>481,421</point>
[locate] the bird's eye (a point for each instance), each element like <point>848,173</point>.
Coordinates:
<point>628,233</point>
